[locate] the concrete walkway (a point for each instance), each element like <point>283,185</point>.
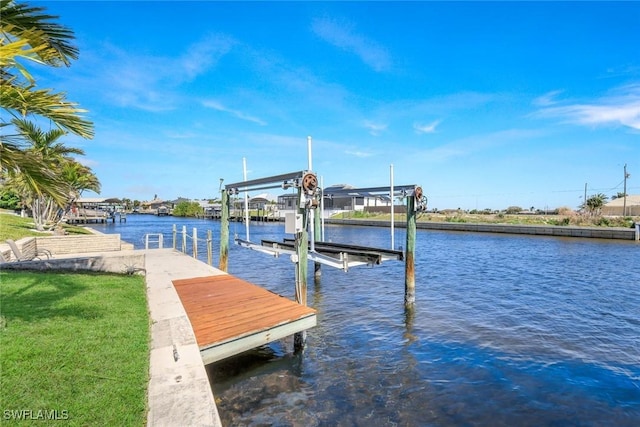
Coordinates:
<point>179,392</point>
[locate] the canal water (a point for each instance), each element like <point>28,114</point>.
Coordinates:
<point>506,330</point>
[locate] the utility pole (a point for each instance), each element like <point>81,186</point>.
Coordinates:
<point>584,201</point>
<point>624,202</point>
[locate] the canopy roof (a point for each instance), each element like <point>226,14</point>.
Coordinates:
<point>98,200</point>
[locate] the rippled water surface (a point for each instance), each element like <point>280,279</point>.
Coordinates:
<point>506,330</point>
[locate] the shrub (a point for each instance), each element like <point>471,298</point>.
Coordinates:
<point>514,209</point>
<point>563,210</point>
<point>455,219</point>
<point>9,199</point>
<point>188,209</point>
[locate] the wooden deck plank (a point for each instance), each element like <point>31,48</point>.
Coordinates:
<point>214,328</point>
<point>230,315</point>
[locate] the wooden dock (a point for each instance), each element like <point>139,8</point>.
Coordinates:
<point>229,315</point>
<point>92,216</point>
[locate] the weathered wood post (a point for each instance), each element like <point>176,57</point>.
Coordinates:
<point>194,242</point>
<point>175,233</point>
<point>317,232</point>
<point>409,264</point>
<point>409,316</point>
<point>302,248</point>
<point>209,248</point>
<point>224,232</point>
<point>184,239</point>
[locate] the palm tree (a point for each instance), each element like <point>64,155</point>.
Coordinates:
<point>71,178</point>
<point>595,203</point>
<point>27,34</point>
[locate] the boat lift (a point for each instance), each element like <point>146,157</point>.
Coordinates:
<point>304,248</point>
<point>335,255</point>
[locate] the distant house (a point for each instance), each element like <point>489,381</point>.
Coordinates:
<point>615,206</point>
<point>210,210</point>
<point>257,202</point>
<point>347,197</point>
<point>156,207</point>
<point>262,201</point>
<point>288,202</point>
<point>174,203</point>
<point>339,198</point>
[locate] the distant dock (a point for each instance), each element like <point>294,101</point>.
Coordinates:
<point>91,216</point>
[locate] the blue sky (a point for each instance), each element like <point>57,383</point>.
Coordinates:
<point>485,105</point>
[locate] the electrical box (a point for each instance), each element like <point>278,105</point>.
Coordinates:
<point>292,223</point>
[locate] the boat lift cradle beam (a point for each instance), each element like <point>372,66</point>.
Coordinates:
<point>285,180</point>
<point>333,255</point>
<point>398,190</point>
<point>293,179</point>
<point>343,261</point>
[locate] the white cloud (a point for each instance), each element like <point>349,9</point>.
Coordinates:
<point>236,113</point>
<point>340,34</point>
<point>360,154</point>
<point>428,128</point>
<point>374,128</point>
<point>149,82</point>
<point>181,135</point>
<point>547,99</point>
<point>202,55</point>
<point>621,107</point>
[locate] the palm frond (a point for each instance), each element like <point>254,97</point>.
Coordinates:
<point>25,101</point>
<point>33,174</point>
<point>21,21</point>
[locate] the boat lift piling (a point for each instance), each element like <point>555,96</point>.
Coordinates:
<point>317,227</point>
<point>302,245</point>
<point>409,256</point>
<point>224,231</point>
<point>416,202</point>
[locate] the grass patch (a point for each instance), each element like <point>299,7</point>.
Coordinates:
<point>77,344</point>
<point>15,227</point>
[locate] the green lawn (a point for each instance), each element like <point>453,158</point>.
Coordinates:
<point>15,227</point>
<point>75,347</point>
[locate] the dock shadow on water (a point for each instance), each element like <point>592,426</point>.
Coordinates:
<point>506,330</point>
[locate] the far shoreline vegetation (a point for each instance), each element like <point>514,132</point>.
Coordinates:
<point>561,217</point>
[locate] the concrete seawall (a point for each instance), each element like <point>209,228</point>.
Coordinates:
<point>64,245</point>
<point>538,230</point>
